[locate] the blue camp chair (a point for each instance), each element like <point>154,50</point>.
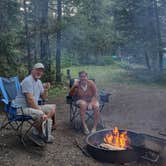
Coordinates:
<point>9,88</point>
<point>74,112</point>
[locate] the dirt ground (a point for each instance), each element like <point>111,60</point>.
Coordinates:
<point>138,108</point>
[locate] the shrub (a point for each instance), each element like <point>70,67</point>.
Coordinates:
<point>105,60</point>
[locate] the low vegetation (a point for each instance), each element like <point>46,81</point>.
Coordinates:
<point>105,76</point>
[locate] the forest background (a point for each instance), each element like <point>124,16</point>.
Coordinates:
<point>65,33</point>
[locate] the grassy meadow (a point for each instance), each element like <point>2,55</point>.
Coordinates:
<point>105,76</point>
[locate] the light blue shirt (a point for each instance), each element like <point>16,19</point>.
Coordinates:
<point>29,85</point>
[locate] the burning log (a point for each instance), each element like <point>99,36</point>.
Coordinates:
<point>110,147</point>
<point>117,139</point>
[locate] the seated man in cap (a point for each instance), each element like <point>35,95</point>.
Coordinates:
<point>31,91</point>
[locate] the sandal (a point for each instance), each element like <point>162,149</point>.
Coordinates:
<point>86,130</point>
<point>93,130</point>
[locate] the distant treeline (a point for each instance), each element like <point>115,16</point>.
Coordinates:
<point>62,33</point>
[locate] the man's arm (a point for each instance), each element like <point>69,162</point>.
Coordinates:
<point>46,87</point>
<point>30,100</point>
<point>44,95</point>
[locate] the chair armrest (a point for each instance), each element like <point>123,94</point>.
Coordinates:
<point>12,110</point>
<point>104,97</point>
<point>41,102</point>
<point>69,99</point>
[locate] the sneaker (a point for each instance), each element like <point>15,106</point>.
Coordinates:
<point>93,130</point>
<point>86,130</point>
<point>36,139</point>
<point>50,139</point>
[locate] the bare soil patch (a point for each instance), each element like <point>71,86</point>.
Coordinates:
<point>138,108</point>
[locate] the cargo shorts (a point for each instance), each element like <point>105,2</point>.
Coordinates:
<point>37,113</point>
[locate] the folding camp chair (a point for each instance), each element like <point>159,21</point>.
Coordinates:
<point>9,88</point>
<point>75,119</point>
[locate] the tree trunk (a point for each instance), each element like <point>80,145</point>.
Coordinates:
<point>58,42</point>
<point>27,36</point>
<point>44,41</point>
<point>158,31</point>
<point>151,38</point>
<point>147,61</point>
<point>36,29</point>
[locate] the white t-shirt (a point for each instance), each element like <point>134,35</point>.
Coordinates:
<point>29,85</point>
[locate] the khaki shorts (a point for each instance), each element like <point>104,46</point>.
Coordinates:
<point>37,113</point>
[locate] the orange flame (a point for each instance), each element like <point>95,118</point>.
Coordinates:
<point>117,139</point>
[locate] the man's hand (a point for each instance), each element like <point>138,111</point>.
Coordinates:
<point>46,85</point>
<point>44,117</point>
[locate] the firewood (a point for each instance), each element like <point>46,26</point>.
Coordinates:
<point>110,147</point>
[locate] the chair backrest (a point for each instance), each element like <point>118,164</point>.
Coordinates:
<point>103,95</point>
<point>9,88</point>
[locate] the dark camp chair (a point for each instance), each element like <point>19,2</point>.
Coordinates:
<point>9,88</point>
<point>75,119</point>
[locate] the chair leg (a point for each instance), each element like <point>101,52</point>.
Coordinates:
<point>71,112</point>
<point>16,126</point>
<point>2,126</point>
<point>89,116</point>
<point>101,121</point>
<point>4,122</point>
<point>22,135</point>
<point>75,117</point>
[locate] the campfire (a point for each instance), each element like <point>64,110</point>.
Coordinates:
<point>116,140</point>
<point>120,146</point>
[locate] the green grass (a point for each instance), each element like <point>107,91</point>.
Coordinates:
<point>57,91</point>
<point>117,73</point>
<point>105,76</point>
<point>102,74</point>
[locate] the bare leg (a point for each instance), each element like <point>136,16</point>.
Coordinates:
<point>95,108</point>
<point>96,117</point>
<point>38,125</point>
<point>83,107</point>
<point>52,115</point>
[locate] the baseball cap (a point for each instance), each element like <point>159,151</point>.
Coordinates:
<point>38,66</point>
